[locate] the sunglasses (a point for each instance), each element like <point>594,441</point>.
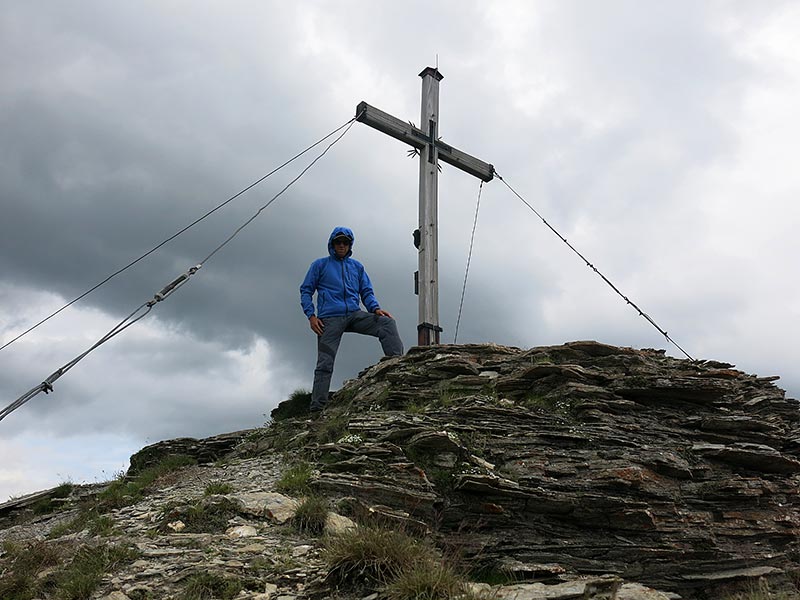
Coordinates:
<point>341,242</point>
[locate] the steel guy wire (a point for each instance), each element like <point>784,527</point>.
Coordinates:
<point>591,266</point>
<point>47,385</point>
<point>173,236</point>
<point>469,259</point>
<point>275,197</point>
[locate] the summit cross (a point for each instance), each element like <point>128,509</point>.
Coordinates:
<point>431,149</point>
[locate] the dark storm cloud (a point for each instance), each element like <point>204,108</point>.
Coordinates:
<point>123,123</point>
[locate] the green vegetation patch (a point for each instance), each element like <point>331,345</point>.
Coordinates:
<point>448,398</point>
<point>295,479</point>
<point>311,515</point>
<point>428,580</point>
<point>405,568</point>
<point>374,554</point>
<point>208,586</point>
<point>333,426</point>
<point>63,490</point>
<point>297,405</point>
<point>43,507</point>
<point>441,477</point>
<point>82,576</point>
<point>89,517</point>
<point>541,358</point>
<point>124,491</point>
<point>561,407</point>
<point>218,488</point>
<point>477,443</point>
<point>101,525</point>
<point>47,505</point>
<point>43,569</point>
<point>78,523</point>
<point>763,590</point>
<point>416,407</point>
<point>23,569</point>
<point>206,516</point>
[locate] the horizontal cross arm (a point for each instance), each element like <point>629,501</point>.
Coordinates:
<point>405,132</point>
<point>465,162</point>
<point>377,119</point>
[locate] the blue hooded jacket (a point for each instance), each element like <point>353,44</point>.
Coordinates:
<point>339,283</point>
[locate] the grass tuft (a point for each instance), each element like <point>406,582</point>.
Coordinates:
<point>428,580</point>
<point>63,490</point>
<point>101,525</point>
<point>218,488</point>
<point>207,516</point>
<point>311,515</point>
<point>406,568</point>
<point>295,479</point>
<point>333,426</point>
<point>43,507</point>
<point>82,576</point>
<point>416,407</point>
<point>88,517</point>
<point>762,590</point>
<point>23,569</point>
<point>560,407</point>
<point>41,570</point>
<point>375,554</point>
<point>124,492</point>
<point>208,586</point>
<point>296,405</point>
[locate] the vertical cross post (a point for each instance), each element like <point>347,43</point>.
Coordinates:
<point>428,329</point>
<point>425,140</point>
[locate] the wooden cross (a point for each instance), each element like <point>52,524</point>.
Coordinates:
<point>431,149</point>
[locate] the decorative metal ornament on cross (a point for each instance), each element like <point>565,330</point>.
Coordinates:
<point>431,149</point>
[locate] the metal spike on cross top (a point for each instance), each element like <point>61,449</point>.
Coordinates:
<point>431,149</point>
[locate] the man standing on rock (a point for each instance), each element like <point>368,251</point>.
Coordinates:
<point>340,282</point>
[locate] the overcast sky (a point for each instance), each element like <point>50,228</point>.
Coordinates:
<point>660,138</point>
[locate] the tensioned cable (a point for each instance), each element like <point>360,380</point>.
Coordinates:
<point>469,259</point>
<point>173,236</point>
<point>47,385</point>
<point>275,197</point>
<point>591,266</point>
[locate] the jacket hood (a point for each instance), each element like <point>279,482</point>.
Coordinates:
<point>337,231</point>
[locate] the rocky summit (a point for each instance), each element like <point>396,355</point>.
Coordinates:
<point>562,472</point>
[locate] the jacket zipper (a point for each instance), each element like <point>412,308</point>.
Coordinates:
<point>344,291</point>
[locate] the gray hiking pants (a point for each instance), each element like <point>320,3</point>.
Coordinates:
<point>383,328</point>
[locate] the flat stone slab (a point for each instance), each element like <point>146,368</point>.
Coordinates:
<point>241,531</point>
<point>600,588</point>
<point>271,505</point>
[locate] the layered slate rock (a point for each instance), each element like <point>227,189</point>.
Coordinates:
<point>555,473</point>
<point>575,459</point>
<point>203,450</point>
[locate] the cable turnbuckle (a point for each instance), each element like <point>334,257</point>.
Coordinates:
<point>173,285</point>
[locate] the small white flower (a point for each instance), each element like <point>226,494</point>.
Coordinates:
<point>453,437</point>
<point>351,438</point>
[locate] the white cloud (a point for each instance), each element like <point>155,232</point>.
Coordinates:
<point>154,381</point>
<point>35,462</point>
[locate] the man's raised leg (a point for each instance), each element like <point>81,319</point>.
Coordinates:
<point>383,328</point>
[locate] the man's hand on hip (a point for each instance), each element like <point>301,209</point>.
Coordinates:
<point>316,325</point>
